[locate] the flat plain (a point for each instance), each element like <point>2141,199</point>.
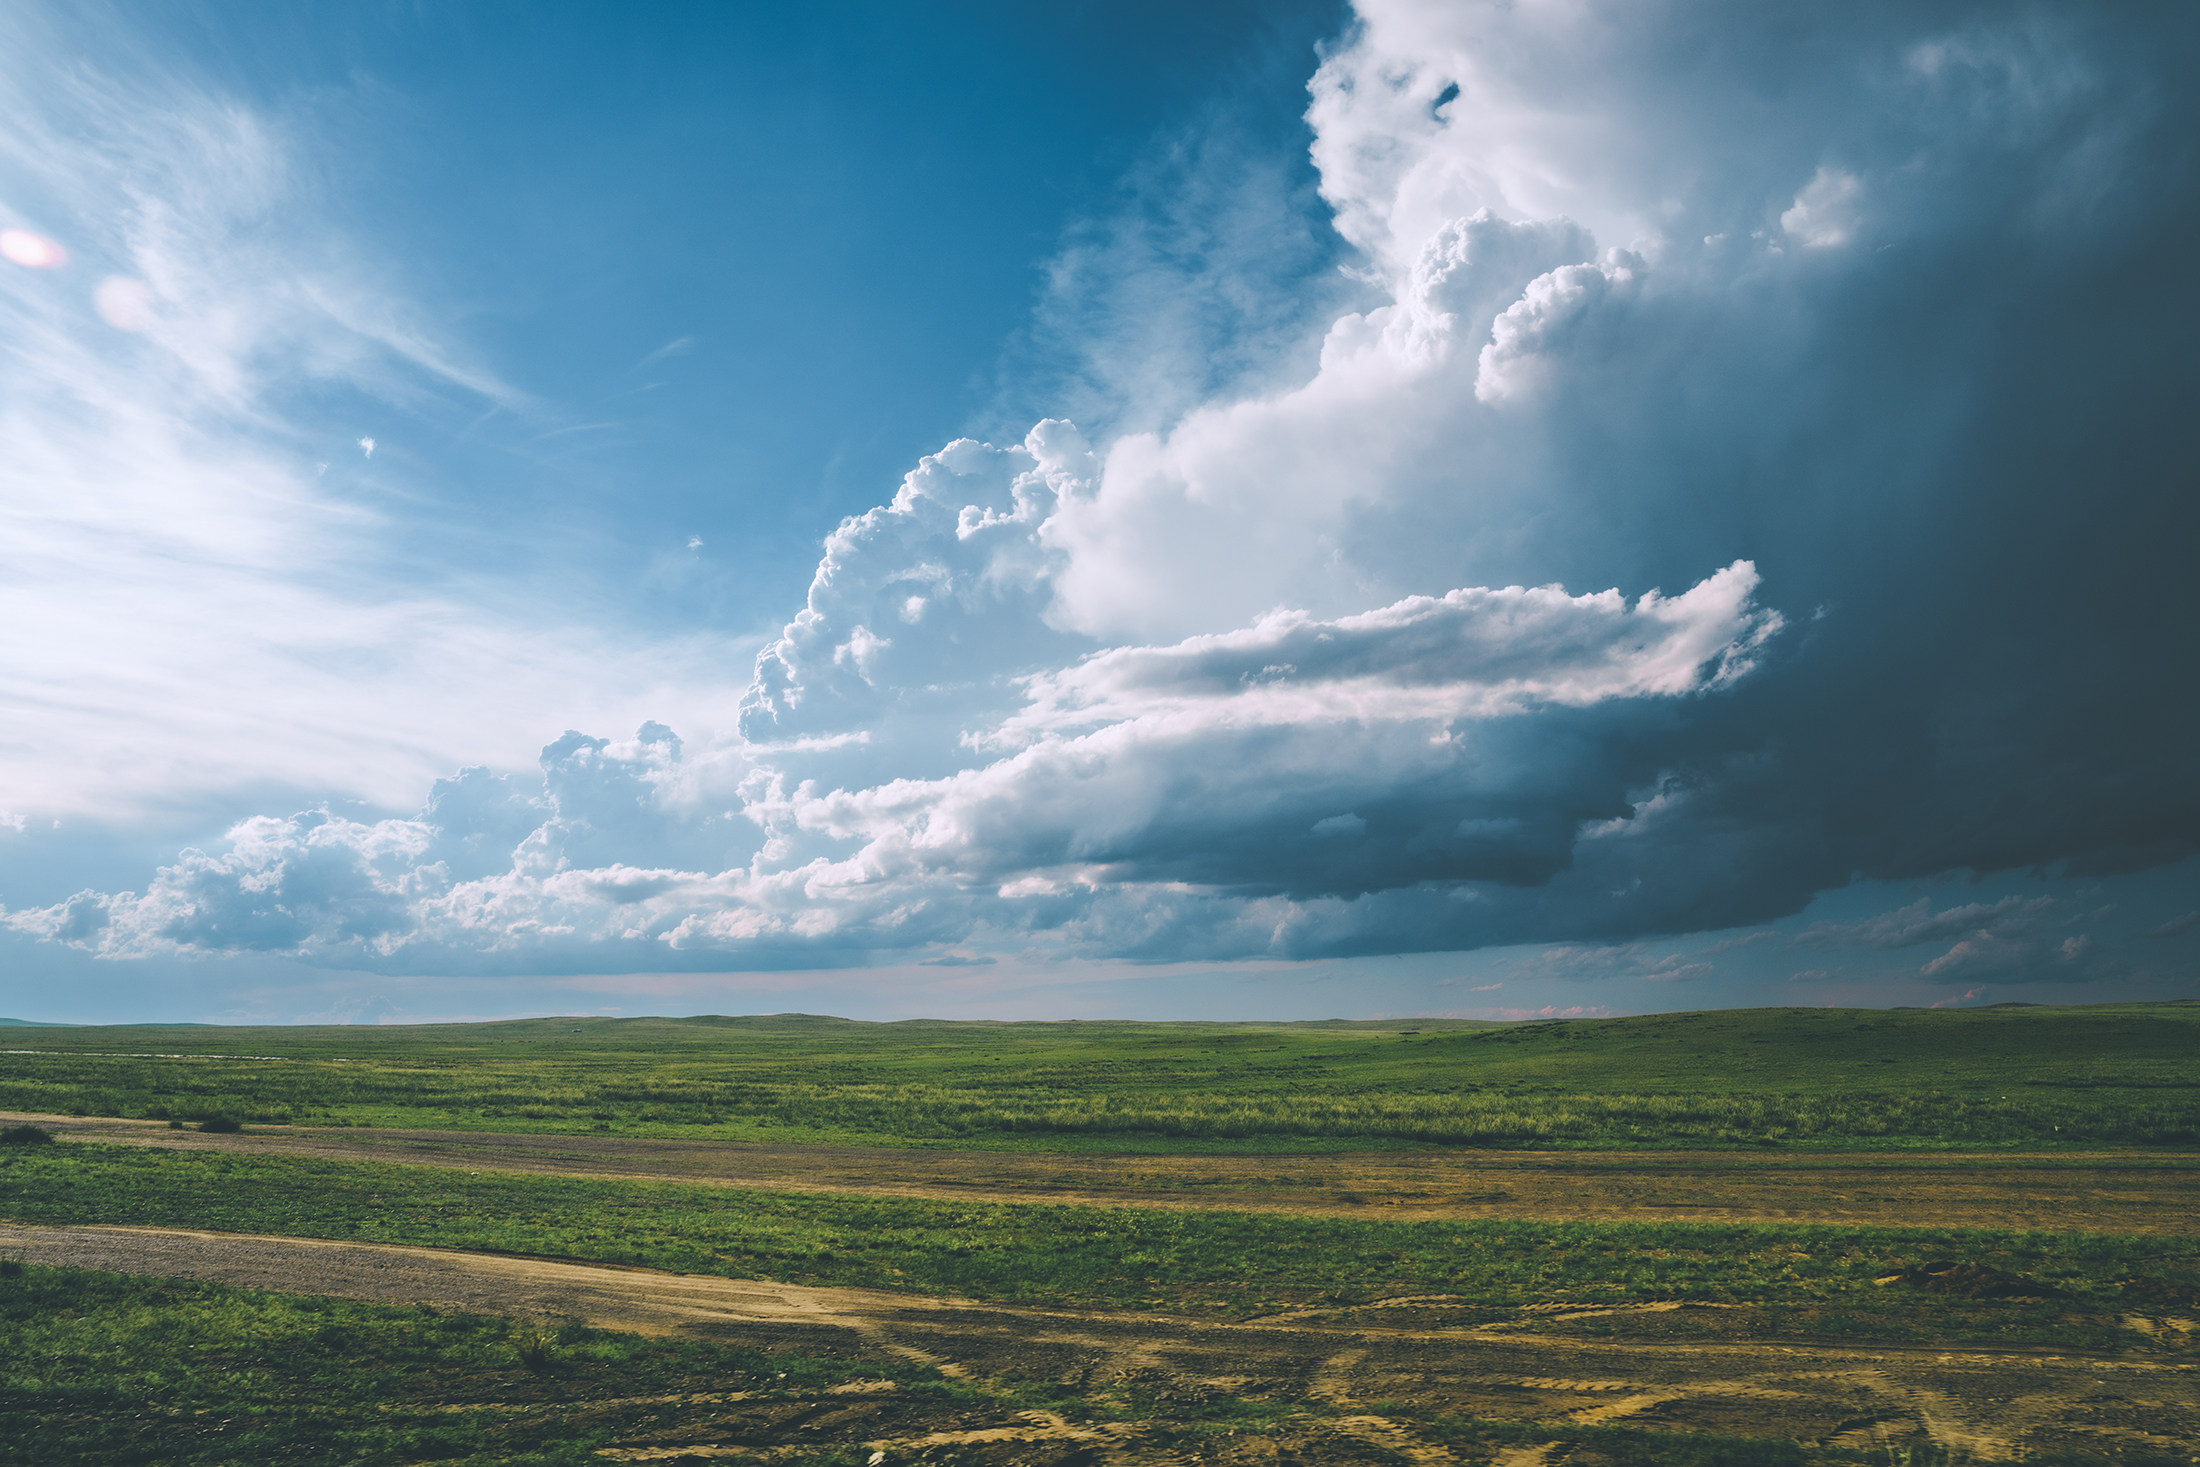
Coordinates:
<point>1337,1242</point>
<point>1812,1078</point>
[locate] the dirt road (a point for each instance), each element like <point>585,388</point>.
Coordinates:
<point>2115,1192</point>
<point>1988,1405</point>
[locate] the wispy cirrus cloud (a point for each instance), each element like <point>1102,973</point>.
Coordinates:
<point>197,605</point>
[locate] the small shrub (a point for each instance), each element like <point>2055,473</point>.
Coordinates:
<point>221,1125</point>
<point>26,1136</point>
<point>537,1350</point>
<point>1971,1281</point>
<point>11,1268</point>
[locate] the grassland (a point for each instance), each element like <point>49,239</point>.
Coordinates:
<point>118,1371</point>
<point>104,1369</point>
<point>1810,1281</point>
<point>2120,1075</point>
<point>115,1370</point>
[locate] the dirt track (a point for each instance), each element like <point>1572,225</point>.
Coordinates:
<point>2101,1192</point>
<point>1418,1354</point>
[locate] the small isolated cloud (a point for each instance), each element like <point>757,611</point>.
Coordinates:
<point>366,448</point>
<point>1986,954</point>
<point>1827,212</point>
<point>1919,923</point>
<point>1982,953</point>
<point>695,542</point>
<point>1628,960</point>
<point>1810,975</point>
<point>1969,997</point>
<point>2174,927</point>
<point>1552,1011</point>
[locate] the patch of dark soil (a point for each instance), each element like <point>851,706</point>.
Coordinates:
<point>1002,1454</point>
<point>1971,1281</point>
<point>1700,1323</point>
<point>704,1428</point>
<point>1773,1420</point>
<point>1403,1315</point>
<point>2141,1289</point>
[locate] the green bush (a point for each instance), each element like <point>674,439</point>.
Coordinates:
<point>26,1136</point>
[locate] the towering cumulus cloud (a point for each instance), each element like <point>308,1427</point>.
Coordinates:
<point>1763,472</point>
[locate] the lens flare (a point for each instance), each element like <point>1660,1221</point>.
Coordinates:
<point>34,251</point>
<point>123,303</point>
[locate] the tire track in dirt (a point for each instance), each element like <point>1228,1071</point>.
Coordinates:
<point>1994,1405</point>
<point>2150,1193</point>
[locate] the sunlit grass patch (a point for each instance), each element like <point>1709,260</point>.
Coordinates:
<point>1234,1263</point>
<point>107,1369</point>
<point>103,1370</point>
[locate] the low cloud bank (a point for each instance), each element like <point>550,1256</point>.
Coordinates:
<point>1208,795</point>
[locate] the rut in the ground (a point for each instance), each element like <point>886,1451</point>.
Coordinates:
<point>1991,1405</point>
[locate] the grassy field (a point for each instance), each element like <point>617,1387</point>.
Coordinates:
<point>1821,1078</point>
<point>119,1371</point>
<point>1805,1280</point>
<point>99,1368</point>
<point>103,1368</point>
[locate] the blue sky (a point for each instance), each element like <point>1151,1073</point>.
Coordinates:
<point>1423,508</point>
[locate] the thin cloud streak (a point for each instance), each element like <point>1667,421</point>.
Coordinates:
<point>675,347</point>
<point>193,609</point>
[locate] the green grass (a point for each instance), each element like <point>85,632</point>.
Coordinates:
<point>103,1368</point>
<point>1809,1281</point>
<point>106,1370</point>
<point>2105,1075</point>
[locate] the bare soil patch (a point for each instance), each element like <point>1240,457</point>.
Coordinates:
<point>1971,1281</point>
<point>2106,1192</point>
<point>1371,1379</point>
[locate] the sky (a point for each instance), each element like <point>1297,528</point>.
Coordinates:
<point>1261,511</point>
